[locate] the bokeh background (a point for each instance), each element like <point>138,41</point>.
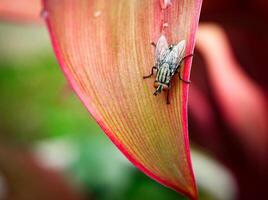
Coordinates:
<point>43,121</point>
<point>50,147</point>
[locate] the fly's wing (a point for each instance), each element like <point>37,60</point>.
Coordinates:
<point>161,50</point>
<point>175,55</point>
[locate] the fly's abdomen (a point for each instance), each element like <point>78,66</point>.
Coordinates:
<point>163,74</point>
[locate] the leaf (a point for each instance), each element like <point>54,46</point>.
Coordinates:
<point>104,50</point>
<point>21,10</point>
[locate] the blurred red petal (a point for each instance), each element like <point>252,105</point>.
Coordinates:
<point>104,50</point>
<point>199,106</point>
<point>242,101</point>
<point>24,178</point>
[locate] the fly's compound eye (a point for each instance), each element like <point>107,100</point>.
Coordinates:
<point>156,84</point>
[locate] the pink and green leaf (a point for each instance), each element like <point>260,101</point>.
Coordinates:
<point>104,50</point>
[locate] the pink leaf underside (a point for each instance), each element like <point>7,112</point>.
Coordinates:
<point>21,10</point>
<point>242,101</point>
<point>104,50</point>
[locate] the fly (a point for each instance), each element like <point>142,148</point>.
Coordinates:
<point>167,64</point>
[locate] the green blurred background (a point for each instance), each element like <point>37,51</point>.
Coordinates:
<point>43,122</point>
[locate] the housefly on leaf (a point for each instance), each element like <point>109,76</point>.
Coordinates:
<point>168,62</point>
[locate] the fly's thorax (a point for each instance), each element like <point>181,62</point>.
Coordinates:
<point>163,75</point>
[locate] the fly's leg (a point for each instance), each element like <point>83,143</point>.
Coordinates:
<point>178,67</point>
<point>152,43</point>
<point>168,102</point>
<point>154,67</point>
<point>183,79</point>
<point>152,72</point>
<point>188,56</point>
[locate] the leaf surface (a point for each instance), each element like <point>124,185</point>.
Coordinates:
<point>104,50</point>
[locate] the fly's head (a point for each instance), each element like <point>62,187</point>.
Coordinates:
<point>160,87</point>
